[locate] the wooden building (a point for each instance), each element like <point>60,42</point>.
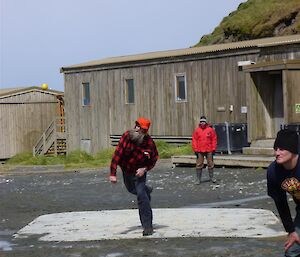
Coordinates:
<point>25,113</point>
<point>254,82</point>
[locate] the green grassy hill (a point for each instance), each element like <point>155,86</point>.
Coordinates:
<point>257,19</point>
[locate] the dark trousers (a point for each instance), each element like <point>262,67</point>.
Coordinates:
<point>137,186</point>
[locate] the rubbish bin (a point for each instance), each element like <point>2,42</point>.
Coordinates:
<point>238,136</point>
<point>232,137</point>
<point>222,142</point>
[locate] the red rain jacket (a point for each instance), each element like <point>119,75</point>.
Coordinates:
<point>204,140</point>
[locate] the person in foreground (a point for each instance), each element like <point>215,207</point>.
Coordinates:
<point>136,154</point>
<point>204,143</point>
<point>283,175</point>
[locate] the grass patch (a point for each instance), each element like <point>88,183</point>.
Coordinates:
<point>80,159</point>
<point>166,150</point>
<point>28,159</point>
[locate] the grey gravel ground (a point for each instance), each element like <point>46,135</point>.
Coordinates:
<point>28,193</point>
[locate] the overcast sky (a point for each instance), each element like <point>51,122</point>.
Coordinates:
<point>39,37</point>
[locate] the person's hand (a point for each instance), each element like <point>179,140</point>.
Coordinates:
<point>140,172</point>
<point>292,238</point>
<point>113,179</point>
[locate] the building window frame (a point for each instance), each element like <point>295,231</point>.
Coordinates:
<point>129,91</point>
<point>86,94</point>
<point>180,89</point>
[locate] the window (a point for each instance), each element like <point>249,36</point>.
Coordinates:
<point>129,92</point>
<point>86,100</point>
<point>180,88</point>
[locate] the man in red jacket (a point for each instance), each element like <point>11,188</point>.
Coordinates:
<point>204,143</point>
<point>136,154</point>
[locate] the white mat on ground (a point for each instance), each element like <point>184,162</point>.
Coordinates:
<point>182,222</point>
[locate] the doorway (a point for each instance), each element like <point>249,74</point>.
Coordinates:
<point>268,103</point>
<point>278,102</point>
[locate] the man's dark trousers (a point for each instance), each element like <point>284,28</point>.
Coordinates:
<point>137,186</point>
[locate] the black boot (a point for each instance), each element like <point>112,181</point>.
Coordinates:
<point>198,176</point>
<point>211,176</point>
<point>148,231</point>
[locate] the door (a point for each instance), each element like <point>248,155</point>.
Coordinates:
<point>278,103</point>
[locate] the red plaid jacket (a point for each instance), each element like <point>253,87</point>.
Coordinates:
<point>131,157</point>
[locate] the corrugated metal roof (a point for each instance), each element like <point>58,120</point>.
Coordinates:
<point>5,92</point>
<point>264,42</point>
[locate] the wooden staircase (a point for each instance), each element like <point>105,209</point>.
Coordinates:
<point>53,141</point>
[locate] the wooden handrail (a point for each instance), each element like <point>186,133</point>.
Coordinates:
<point>57,125</point>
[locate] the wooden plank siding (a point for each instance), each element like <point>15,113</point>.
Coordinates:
<point>293,94</point>
<point>23,118</point>
<point>155,98</point>
<point>214,82</point>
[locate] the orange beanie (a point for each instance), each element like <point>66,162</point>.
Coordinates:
<point>144,123</point>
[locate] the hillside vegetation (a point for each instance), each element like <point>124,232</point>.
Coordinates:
<point>257,19</point>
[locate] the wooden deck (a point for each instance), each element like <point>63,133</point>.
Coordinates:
<point>240,160</point>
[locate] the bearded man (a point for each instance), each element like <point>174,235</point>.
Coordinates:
<point>136,154</point>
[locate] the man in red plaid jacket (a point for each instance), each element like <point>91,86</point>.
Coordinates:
<point>136,154</point>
